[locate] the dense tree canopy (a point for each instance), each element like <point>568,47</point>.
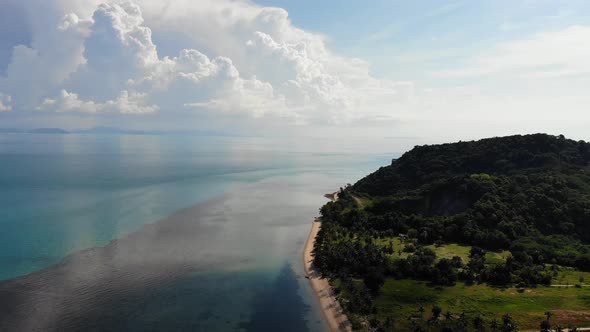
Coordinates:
<point>529,195</point>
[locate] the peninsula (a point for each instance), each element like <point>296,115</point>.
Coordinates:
<point>470,236</point>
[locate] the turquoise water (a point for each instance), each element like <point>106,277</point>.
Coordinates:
<point>235,255</point>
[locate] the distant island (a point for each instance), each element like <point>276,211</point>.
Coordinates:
<point>93,130</point>
<point>114,131</point>
<point>33,131</point>
<point>48,131</point>
<point>488,235</point>
<point>101,130</point>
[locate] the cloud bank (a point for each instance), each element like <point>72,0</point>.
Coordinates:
<point>221,57</point>
<point>230,64</point>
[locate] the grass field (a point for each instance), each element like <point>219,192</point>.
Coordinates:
<point>445,251</point>
<point>569,276</point>
<point>566,275</point>
<point>401,299</point>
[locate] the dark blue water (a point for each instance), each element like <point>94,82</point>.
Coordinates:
<point>164,233</point>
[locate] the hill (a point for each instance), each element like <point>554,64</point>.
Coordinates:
<point>48,131</point>
<point>33,131</point>
<point>113,131</point>
<point>503,212</point>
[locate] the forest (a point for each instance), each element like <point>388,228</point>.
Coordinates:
<point>526,196</point>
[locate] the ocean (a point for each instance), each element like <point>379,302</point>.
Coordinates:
<point>164,233</point>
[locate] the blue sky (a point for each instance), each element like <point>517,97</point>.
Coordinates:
<point>437,69</point>
<point>428,35</point>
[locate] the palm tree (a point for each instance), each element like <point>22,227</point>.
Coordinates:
<point>448,315</point>
<point>478,323</point>
<point>463,320</point>
<point>508,324</point>
<point>388,323</point>
<point>436,310</point>
<point>548,314</point>
<point>494,324</point>
<point>421,310</point>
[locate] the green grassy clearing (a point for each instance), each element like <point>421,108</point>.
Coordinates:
<point>565,276</point>
<point>569,276</point>
<point>445,251</point>
<point>401,299</point>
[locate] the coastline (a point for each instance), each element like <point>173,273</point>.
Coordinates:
<point>331,309</point>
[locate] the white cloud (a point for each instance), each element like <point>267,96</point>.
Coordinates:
<point>53,54</point>
<point>131,103</point>
<point>320,85</point>
<point>553,54</point>
<point>5,101</point>
<point>69,102</point>
<point>255,97</point>
<point>125,103</point>
<point>230,63</point>
<point>233,57</point>
<point>121,56</point>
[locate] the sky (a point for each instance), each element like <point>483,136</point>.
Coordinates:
<point>438,70</point>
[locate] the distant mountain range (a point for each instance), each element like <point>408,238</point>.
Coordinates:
<point>118,131</point>
<point>34,131</point>
<point>95,130</point>
<point>100,130</point>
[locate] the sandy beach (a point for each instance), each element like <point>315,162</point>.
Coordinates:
<point>331,309</point>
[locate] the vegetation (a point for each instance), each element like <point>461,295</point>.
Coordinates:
<point>400,299</point>
<point>463,221</point>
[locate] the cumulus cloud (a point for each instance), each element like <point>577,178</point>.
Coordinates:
<point>200,82</point>
<point>5,101</point>
<point>231,57</point>
<point>231,63</point>
<point>41,67</point>
<point>125,103</point>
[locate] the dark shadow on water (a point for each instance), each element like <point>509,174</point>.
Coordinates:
<point>174,275</point>
<point>111,288</point>
<point>279,307</point>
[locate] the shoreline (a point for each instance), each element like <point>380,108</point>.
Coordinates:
<point>329,306</point>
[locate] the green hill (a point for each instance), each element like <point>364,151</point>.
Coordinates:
<point>438,213</point>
